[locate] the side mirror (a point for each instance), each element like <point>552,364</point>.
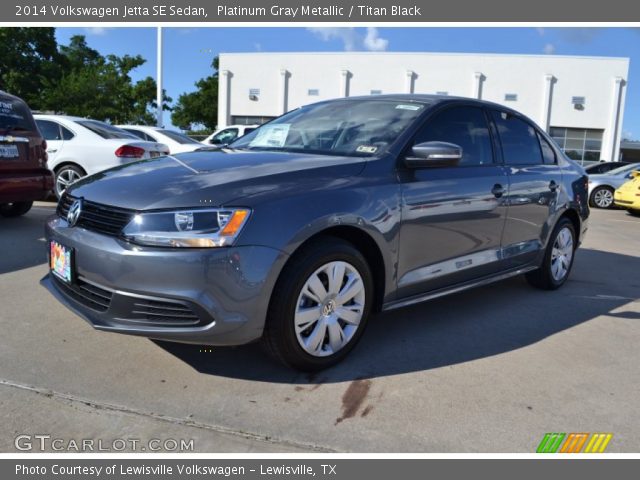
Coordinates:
<point>434,154</point>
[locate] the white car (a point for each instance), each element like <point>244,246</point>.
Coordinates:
<point>80,146</point>
<point>226,135</point>
<point>176,141</point>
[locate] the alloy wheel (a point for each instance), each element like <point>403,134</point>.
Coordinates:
<point>65,178</point>
<point>603,198</point>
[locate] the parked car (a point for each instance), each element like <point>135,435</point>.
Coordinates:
<point>299,230</point>
<point>176,141</point>
<point>81,146</point>
<point>628,194</point>
<point>603,167</point>
<point>601,187</point>
<point>24,176</point>
<point>226,135</point>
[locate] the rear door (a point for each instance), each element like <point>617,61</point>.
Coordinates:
<point>56,135</point>
<point>534,185</point>
<point>452,217</point>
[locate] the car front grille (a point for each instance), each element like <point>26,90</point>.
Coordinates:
<point>97,217</point>
<point>88,294</point>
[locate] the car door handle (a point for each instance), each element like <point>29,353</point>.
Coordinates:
<point>52,150</point>
<point>497,190</point>
<point>553,186</point>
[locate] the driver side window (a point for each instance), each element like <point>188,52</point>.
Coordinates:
<point>464,126</point>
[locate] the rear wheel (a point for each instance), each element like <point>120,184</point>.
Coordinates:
<point>558,258</point>
<point>65,176</point>
<point>602,197</point>
<point>15,209</point>
<point>320,306</point>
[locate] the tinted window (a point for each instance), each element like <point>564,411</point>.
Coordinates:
<point>520,145</point>
<point>50,130</point>
<point>14,115</point>
<point>137,133</point>
<point>66,133</point>
<point>105,130</point>
<point>548,155</point>
<point>178,137</point>
<point>464,126</point>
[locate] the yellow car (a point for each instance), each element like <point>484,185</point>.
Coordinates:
<point>628,195</point>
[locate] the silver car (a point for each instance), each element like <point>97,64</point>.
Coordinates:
<point>602,186</point>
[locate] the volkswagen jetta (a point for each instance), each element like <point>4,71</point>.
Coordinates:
<point>295,233</point>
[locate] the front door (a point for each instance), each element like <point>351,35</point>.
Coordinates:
<point>452,217</point>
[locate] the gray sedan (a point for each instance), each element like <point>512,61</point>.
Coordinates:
<point>602,186</point>
<point>293,234</point>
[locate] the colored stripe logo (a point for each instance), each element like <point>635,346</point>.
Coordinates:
<point>574,443</point>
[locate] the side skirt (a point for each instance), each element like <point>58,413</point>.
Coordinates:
<point>456,288</point>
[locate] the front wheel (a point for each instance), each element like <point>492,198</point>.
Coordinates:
<point>558,258</point>
<point>320,306</point>
<point>15,209</point>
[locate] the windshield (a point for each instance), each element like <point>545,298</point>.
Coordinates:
<point>105,130</point>
<point>352,128</point>
<point>625,169</point>
<point>178,137</point>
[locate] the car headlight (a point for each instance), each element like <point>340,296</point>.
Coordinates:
<point>196,228</point>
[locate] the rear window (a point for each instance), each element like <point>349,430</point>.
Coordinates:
<point>105,130</point>
<point>15,115</point>
<point>178,137</point>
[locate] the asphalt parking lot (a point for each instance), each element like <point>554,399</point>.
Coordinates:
<point>488,370</point>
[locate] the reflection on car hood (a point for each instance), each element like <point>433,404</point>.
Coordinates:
<point>210,178</point>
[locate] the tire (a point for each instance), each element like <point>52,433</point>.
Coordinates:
<point>64,176</point>
<point>15,209</point>
<point>601,197</point>
<point>558,258</point>
<point>324,337</point>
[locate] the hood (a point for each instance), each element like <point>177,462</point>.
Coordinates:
<point>212,178</point>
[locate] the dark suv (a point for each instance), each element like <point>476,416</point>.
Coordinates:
<point>23,159</point>
<point>296,232</point>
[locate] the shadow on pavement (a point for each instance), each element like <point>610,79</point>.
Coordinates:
<point>22,240</point>
<point>463,327</point>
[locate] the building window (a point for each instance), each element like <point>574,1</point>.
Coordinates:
<point>376,92</point>
<point>578,143</point>
<point>249,120</point>
<point>313,92</point>
<point>510,97</point>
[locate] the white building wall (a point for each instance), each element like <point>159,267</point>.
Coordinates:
<point>489,76</point>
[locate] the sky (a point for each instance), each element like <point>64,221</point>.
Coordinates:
<point>188,52</point>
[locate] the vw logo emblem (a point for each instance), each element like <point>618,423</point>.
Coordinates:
<point>74,212</point>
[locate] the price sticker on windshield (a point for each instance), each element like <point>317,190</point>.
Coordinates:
<point>271,136</point>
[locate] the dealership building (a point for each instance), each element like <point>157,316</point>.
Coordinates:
<point>578,100</point>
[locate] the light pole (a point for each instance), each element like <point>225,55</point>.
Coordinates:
<point>159,80</point>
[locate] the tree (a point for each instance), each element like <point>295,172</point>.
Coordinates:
<point>29,58</point>
<point>201,106</point>
<point>100,87</point>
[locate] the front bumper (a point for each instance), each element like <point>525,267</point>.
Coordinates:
<point>213,296</point>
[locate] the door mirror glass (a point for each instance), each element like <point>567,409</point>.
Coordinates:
<point>434,154</point>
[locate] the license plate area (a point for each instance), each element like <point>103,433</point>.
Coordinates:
<point>9,151</point>
<point>61,261</point>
